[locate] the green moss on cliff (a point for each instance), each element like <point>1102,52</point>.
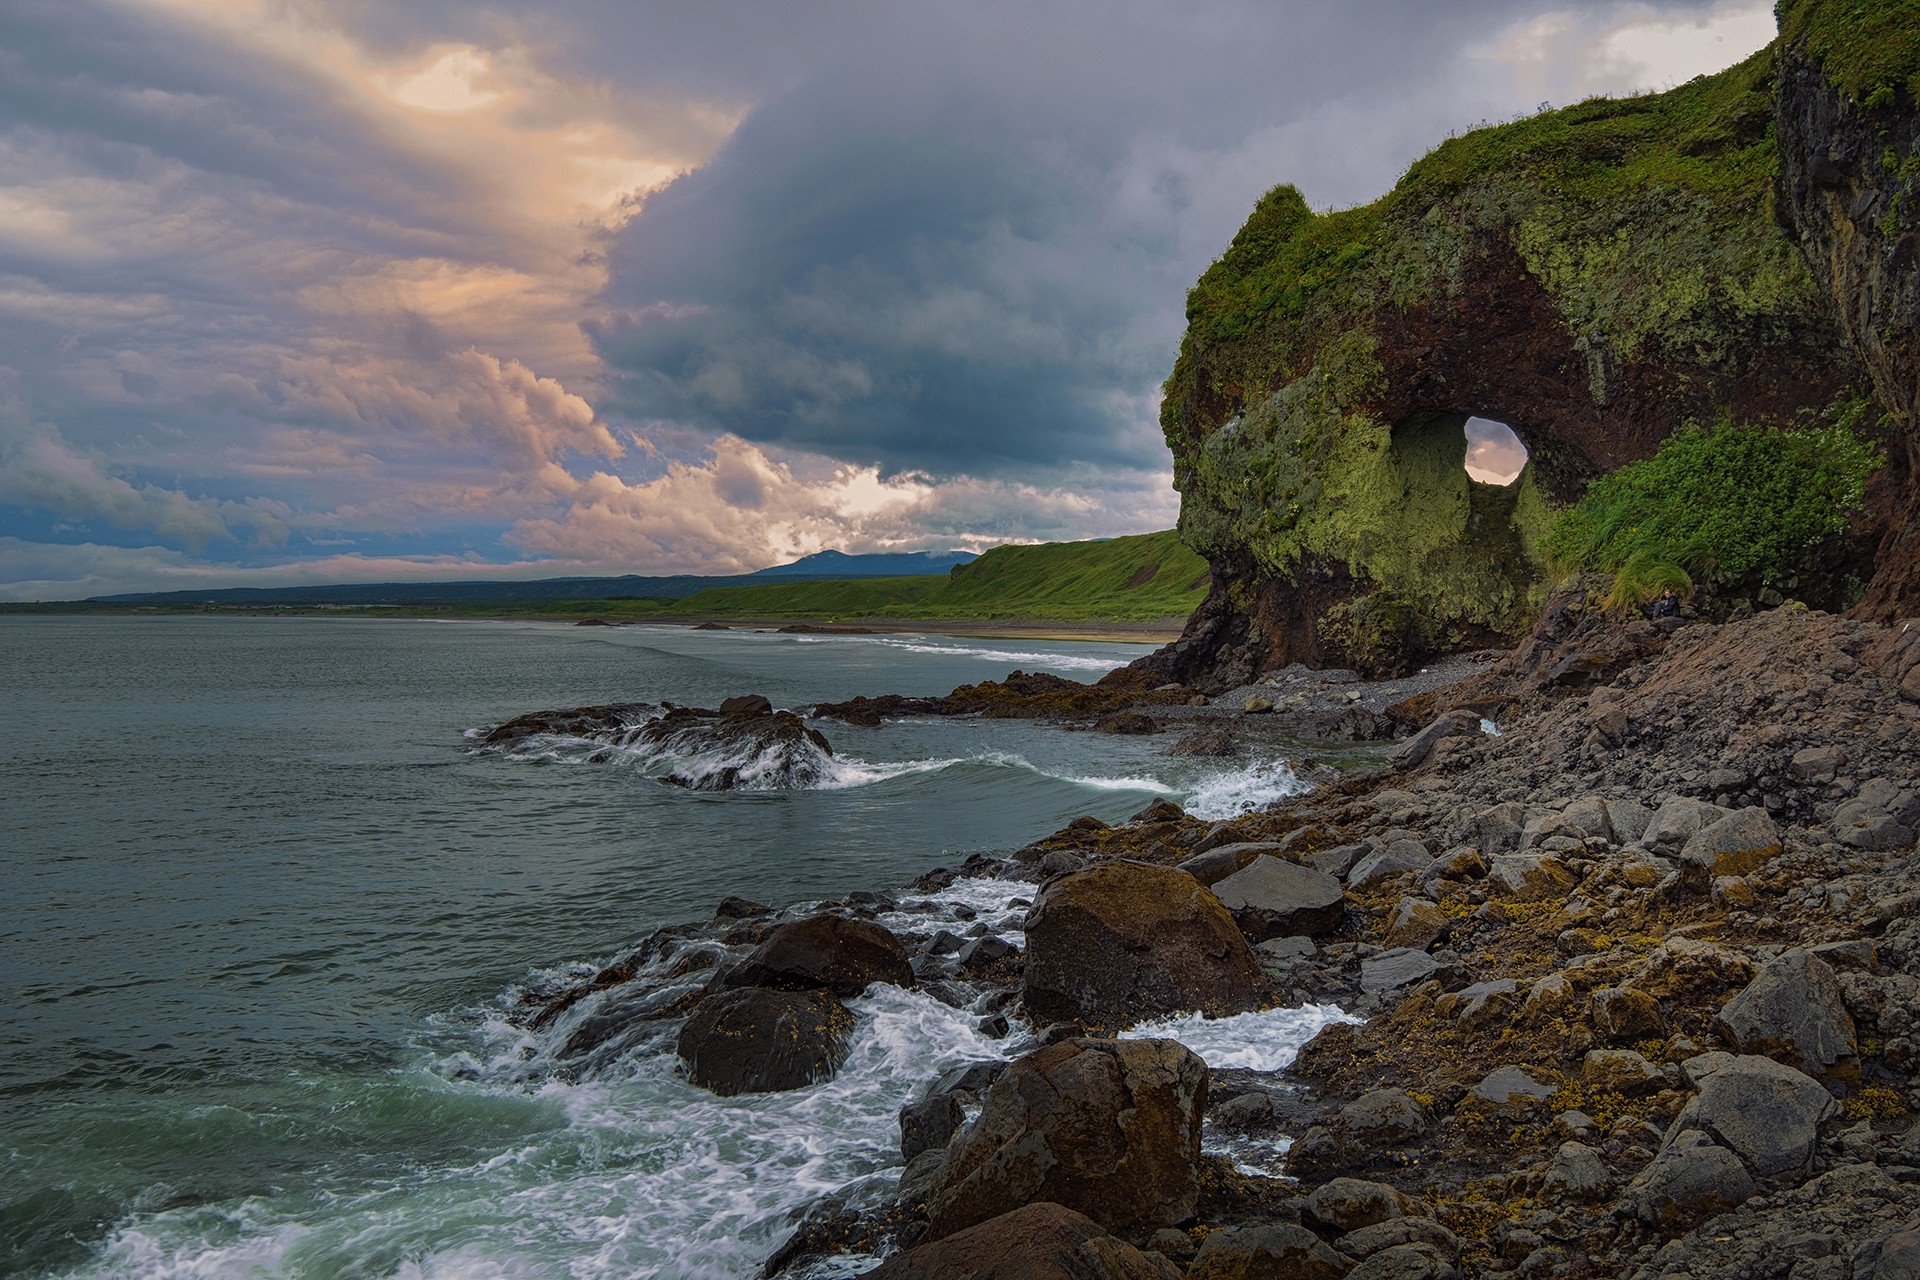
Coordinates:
<point>1870,49</point>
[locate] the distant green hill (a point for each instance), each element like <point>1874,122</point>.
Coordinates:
<point>1132,579</point>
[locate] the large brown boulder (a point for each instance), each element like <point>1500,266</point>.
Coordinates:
<point>753,1041</point>
<point>1124,941</point>
<point>825,953</point>
<point>1110,1128</point>
<point>1036,1242</point>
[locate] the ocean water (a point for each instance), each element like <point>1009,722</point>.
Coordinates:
<point>267,902</point>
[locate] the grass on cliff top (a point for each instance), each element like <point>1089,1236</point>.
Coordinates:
<point>1149,575</point>
<point>1870,49</point>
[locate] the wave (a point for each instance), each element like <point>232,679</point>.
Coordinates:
<point>1266,1040</point>
<point>1058,661</point>
<point>1238,791</point>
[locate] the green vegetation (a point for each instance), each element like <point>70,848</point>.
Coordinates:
<point>1869,49</point>
<point>1740,504</point>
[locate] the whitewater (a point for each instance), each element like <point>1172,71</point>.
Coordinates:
<point>274,901</point>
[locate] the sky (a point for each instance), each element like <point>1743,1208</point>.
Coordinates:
<point>298,291</point>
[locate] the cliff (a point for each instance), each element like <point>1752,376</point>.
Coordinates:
<point>1596,277</point>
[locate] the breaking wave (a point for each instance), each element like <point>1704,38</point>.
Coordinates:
<point>1238,791</point>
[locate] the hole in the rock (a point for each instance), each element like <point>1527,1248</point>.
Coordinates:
<point>1494,454</point>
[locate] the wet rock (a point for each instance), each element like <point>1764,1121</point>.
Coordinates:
<point>1793,1010</point>
<point>747,704</point>
<point>731,908</point>
<point>1214,741</point>
<point>1348,1204</point>
<point>1509,1091</point>
<point>1110,1128</point>
<point>929,1124</point>
<point>1247,1112</point>
<point>1126,722</point>
<point>1733,845</point>
<point>1767,1113</point>
<point>983,951</point>
<point>1400,967</point>
<point>1041,1241</point>
<point>1275,899</point>
<point>1530,877</point>
<point>1265,1251</point>
<point>1691,1178</point>
<point>825,953</point>
<point>1417,923</point>
<point>1123,941</point>
<point>761,751</point>
<point>757,1041</point>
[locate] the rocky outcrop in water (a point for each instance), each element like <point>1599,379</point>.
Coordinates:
<point>831,953</point>
<point>745,745</point>
<point>751,1040</point>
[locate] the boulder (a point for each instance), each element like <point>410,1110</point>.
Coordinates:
<point>1266,1251</point>
<point>1397,857</point>
<point>1400,967</point>
<point>1689,1180</point>
<point>1622,1015</point>
<point>1110,1128</point>
<point>1417,923</point>
<point>746,751</point>
<point>1628,820</point>
<point>1587,819</point>
<point>1621,1071</point>
<point>825,953</point>
<point>1678,821</point>
<point>1482,1004</point>
<point>1348,1204</point>
<point>1793,1010</point>
<point>1860,823</point>
<point>1383,1118</point>
<point>747,704</point>
<point>1394,1232</point>
<point>929,1124</point>
<point>1042,1241</point>
<point>1733,845</point>
<point>1216,864</point>
<point>1687,969</point>
<point>1275,899</point>
<point>755,1041</point>
<point>1122,941</point>
<point>1418,749</point>
<point>1764,1111</point>
<point>1406,1262</point>
<point>1530,877</point>
<point>1816,764</point>
<point>1339,860</point>
<point>1497,830</point>
<point>1578,1174</point>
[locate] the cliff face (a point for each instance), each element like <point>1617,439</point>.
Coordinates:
<point>1849,154</point>
<point>1595,277</point>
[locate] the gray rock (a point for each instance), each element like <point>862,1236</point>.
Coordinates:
<point>1339,860</point>
<point>1383,1118</point>
<point>1621,1071</point>
<point>1898,1256</point>
<point>1263,1250</point>
<point>1622,1015</point>
<point>1530,877</point>
<point>1629,820</point>
<point>1418,749</point>
<point>1398,968</point>
<point>1816,764</point>
<point>1398,857</point>
<point>1347,1204</point>
<point>1275,899</point>
<point>1793,1010</point>
<point>1578,1174</point>
<point>1860,823</point>
<point>929,1124</point>
<point>1497,830</point>
<point>1689,1180</point>
<point>1764,1111</point>
<point>1216,864</point>
<point>1248,1111</point>
<point>1589,819</point>
<point>1510,1091</point>
<point>1481,1004</point>
<point>1405,1262</point>
<point>1368,1241</point>
<point>1464,863</point>
<point>1678,821</point>
<point>1417,922</point>
<point>1286,950</point>
<point>1733,845</point>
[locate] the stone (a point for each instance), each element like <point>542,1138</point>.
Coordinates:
<point>1549,997</point>
<point>1863,824</point>
<point>1793,1010</point>
<point>1042,1241</point>
<point>1622,1015</point>
<point>1348,1204</point>
<point>1265,1251</point>
<point>1384,1118</point>
<point>1367,1241</point>
<point>1256,705</point>
<point>732,908</point>
<point>1689,969</point>
<point>1405,1262</point>
<point>1628,819</point>
<point>1691,1179</point>
<point>1733,892</point>
<point>751,1040</point>
<point>1621,1071</point>
<point>1246,1112</point>
<point>1109,1128</point>
<point>1418,749</point>
<point>1122,941</point>
<point>929,1124</point>
<point>1898,1256</point>
<point>1275,899</point>
<point>1126,722</point>
<point>1578,1174</point>
<point>1221,861</point>
<point>1417,923</point>
<point>1456,864</point>
<point>1400,967</point>
<point>1530,877</point>
<point>1816,764</point>
<point>1286,950</point>
<point>1733,845</point>
<point>1339,860</point>
<point>747,704</point>
<point>1398,857</point>
<point>1481,1005</point>
<point>825,953</point>
<point>1588,817</point>
<point>1678,821</point>
<point>1764,1111</point>
<point>1509,1091</point>
<point>984,951</point>
<point>1497,830</point>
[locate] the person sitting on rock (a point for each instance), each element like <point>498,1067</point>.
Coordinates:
<point>1667,606</point>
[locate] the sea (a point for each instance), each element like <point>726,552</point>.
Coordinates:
<point>268,901</point>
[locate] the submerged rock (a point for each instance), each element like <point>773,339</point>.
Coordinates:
<point>752,1040</point>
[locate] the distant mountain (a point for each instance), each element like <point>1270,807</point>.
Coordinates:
<point>838,564</point>
<point>821,566</point>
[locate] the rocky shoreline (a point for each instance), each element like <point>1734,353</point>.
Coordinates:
<point>1639,973</point>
